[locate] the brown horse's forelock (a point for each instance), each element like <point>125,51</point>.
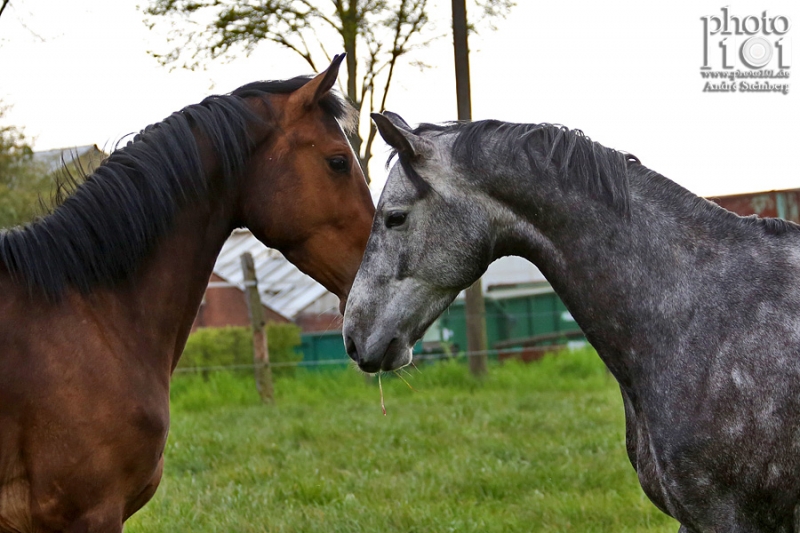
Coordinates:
<point>100,233</point>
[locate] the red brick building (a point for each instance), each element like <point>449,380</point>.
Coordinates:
<point>225,305</point>
<point>780,204</point>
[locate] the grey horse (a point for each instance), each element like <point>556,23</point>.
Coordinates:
<point>693,309</point>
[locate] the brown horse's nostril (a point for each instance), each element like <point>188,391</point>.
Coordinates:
<point>352,351</point>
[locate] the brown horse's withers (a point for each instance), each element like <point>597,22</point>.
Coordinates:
<point>97,298</point>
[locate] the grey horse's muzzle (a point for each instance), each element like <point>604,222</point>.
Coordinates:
<point>380,351</point>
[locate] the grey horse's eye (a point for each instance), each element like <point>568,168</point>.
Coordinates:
<point>395,219</point>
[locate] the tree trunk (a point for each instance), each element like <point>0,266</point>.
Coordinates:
<point>474,305</point>
<point>349,37</point>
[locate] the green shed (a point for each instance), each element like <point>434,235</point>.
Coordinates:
<point>518,312</point>
<point>523,312</point>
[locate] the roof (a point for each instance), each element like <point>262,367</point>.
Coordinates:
<point>56,158</point>
<point>511,270</point>
<point>281,285</point>
<point>512,277</point>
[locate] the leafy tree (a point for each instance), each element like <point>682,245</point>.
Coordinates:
<point>375,34</point>
<point>22,181</point>
<point>32,186</point>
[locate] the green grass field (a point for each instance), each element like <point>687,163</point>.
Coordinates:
<point>531,448</point>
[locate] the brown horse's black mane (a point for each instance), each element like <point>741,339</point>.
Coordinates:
<point>100,233</point>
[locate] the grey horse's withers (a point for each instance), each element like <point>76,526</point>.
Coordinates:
<point>692,308</point>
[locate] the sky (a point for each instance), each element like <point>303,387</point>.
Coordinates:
<point>626,73</point>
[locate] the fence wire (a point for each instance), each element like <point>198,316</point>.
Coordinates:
<point>330,362</point>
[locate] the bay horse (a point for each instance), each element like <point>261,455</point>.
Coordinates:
<point>693,309</point>
<point>98,297</point>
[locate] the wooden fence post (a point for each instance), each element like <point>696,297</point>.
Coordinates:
<point>263,371</point>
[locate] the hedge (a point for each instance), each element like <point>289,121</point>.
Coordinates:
<point>228,346</point>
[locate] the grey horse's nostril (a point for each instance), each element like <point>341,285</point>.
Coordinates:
<point>352,351</point>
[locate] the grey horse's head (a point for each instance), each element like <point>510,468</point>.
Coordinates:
<point>431,238</point>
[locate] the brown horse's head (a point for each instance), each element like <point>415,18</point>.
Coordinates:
<point>320,209</point>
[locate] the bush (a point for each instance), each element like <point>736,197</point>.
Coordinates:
<point>230,346</point>
<point>283,341</point>
<point>217,347</point>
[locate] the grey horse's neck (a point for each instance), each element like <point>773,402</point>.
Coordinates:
<point>634,281</point>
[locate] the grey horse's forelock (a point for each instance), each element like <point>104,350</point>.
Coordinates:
<point>422,185</point>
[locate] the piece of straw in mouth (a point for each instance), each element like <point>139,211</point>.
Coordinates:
<point>380,387</point>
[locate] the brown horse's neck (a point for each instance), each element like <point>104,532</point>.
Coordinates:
<point>161,300</point>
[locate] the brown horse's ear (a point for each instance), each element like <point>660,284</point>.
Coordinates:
<point>312,92</point>
<point>399,136</point>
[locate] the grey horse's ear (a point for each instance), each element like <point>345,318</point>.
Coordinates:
<point>397,120</point>
<point>400,137</point>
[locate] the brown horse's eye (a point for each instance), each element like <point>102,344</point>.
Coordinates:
<point>339,164</point>
<point>395,219</point>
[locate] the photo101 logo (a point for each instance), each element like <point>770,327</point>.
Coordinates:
<point>747,54</point>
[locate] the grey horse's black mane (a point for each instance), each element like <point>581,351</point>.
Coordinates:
<point>548,149</point>
<point>569,156</point>
<point>100,233</point>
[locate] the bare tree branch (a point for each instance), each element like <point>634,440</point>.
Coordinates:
<point>417,18</point>
<point>3,7</point>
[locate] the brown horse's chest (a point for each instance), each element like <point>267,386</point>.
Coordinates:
<point>84,410</point>
<point>66,451</point>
